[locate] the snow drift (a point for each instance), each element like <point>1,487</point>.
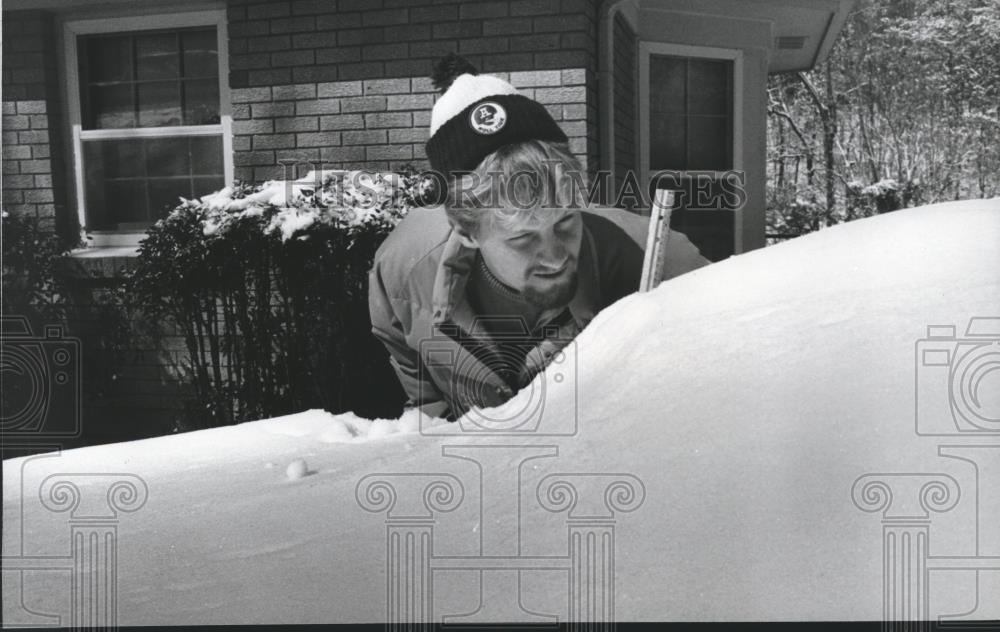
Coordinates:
<point>758,439</point>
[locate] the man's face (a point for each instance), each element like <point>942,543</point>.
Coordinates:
<point>535,253</point>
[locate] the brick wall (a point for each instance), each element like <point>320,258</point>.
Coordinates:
<point>372,123</point>
<point>346,83</point>
<point>34,179</point>
<point>130,382</point>
<point>624,76</point>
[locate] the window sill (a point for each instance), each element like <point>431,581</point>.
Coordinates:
<point>115,239</point>
<point>101,252</point>
<point>98,262</point>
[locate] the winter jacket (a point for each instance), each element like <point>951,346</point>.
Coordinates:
<point>420,312</point>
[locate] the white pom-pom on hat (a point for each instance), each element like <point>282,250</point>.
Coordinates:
<point>463,92</point>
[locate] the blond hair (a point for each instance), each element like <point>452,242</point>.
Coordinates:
<point>513,183</point>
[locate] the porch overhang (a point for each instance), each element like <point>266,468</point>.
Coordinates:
<point>799,33</point>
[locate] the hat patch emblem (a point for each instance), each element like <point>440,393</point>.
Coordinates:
<point>488,118</point>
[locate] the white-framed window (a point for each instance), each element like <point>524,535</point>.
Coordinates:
<point>689,98</point>
<point>690,119</point>
<point>150,117</point>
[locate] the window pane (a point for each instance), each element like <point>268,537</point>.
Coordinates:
<point>201,102</point>
<point>211,184</point>
<point>140,180</point>
<point>109,58</point>
<point>149,79</point>
<point>690,111</point>
<point>157,56</point>
<point>200,53</point>
<point>667,84</point>
<point>113,193</point>
<point>125,201</point>
<point>165,194</point>
<point>708,87</point>
<point>159,104</point>
<point>206,156</point>
<point>121,158</point>
<point>167,157</point>
<point>667,139</point>
<point>708,143</point>
<point>111,106</point>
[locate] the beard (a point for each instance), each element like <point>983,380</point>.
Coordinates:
<point>557,295</point>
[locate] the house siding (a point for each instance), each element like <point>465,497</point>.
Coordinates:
<point>624,59</point>
<point>131,368</point>
<point>346,85</point>
<point>34,181</point>
<point>280,132</point>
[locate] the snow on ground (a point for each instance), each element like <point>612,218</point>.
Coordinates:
<point>288,435</point>
<point>742,402</point>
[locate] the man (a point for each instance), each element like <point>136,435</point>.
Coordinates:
<point>474,299</point>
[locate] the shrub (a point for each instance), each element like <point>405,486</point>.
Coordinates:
<point>268,287</point>
<point>30,285</point>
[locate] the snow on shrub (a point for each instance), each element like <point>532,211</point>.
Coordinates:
<point>267,285</point>
<point>347,201</point>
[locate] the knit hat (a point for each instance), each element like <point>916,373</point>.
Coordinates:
<point>478,114</point>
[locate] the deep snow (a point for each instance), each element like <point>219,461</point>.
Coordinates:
<point>746,398</point>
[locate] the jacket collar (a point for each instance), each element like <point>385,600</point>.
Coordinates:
<point>451,304</point>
